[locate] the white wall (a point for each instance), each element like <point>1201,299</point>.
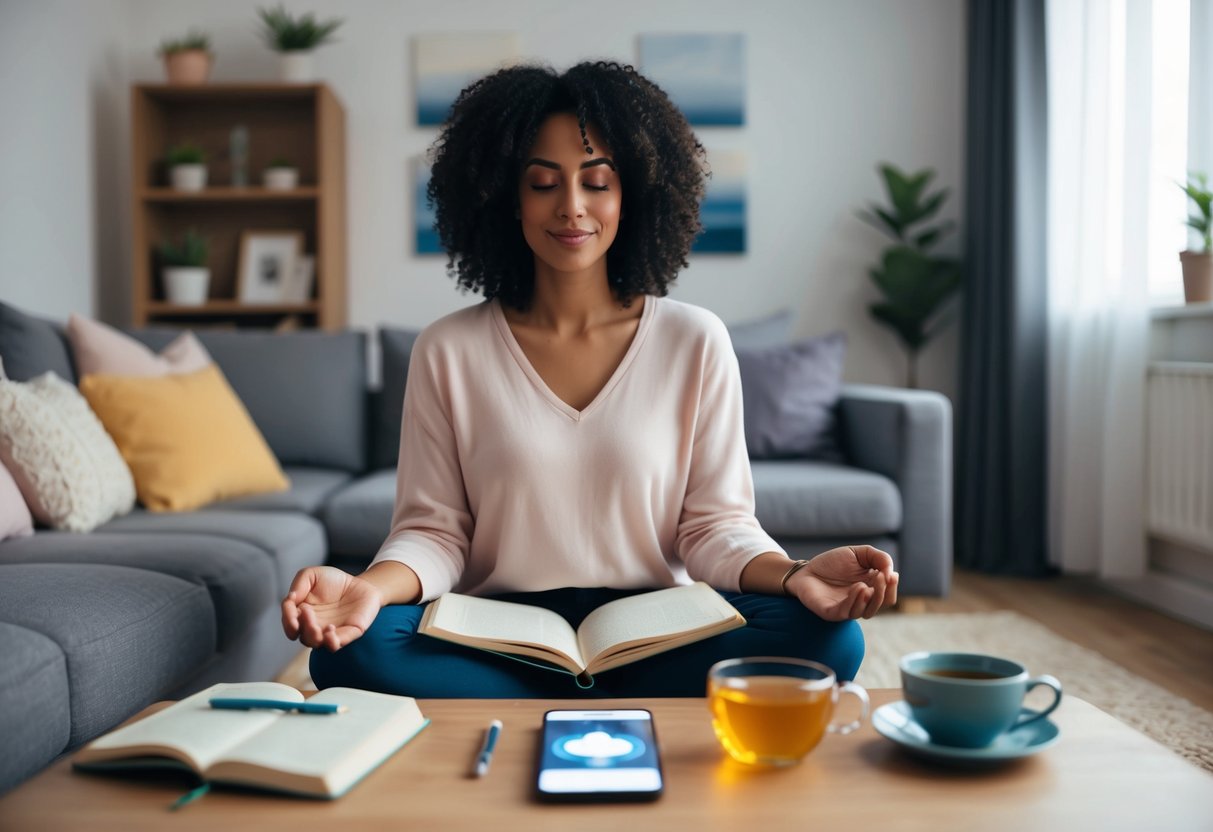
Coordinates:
<point>832,89</point>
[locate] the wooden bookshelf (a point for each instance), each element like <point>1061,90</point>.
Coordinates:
<point>303,122</point>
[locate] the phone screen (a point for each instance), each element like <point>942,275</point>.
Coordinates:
<point>599,755</point>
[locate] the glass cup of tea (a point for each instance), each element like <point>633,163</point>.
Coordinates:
<point>772,711</point>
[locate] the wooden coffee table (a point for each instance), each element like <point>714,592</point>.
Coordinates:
<point>1101,775</point>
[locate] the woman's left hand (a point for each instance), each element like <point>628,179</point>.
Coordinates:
<point>845,583</point>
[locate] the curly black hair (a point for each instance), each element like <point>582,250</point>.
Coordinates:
<point>478,159</point>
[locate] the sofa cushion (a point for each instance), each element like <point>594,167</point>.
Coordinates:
<point>292,540</point>
<point>128,635</point>
<point>359,516</point>
<point>395,350</point>
<point>99,348</point>
<point>35,714</point>
<point>806,498</point>
<point>66,465</point>
<point>770,331</point>
<point>790,395</point>
<point>240,578</point>
<point>31,346</point>
<point>310,487</point>
<point>281,377</point>
<point>187,438</point>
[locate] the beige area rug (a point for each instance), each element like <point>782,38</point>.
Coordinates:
<point>1171,720</point>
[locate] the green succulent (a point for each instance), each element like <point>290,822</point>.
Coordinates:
<point>915,283</point>
<point>285,33</point>
<point>195,39</point>
<point>185,154</point>
<point>190,251</point>
<point>280,162</point>
<point>1198,191</point>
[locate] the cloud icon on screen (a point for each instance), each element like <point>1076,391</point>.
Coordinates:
<point>598,744</point>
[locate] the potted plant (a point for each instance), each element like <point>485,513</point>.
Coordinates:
<point>915,283</point>
<point>280,175</point>
<point>186,276</point>
<point>1198,265</point>
<point>296,39</point>
<point>187,60</point>
<point>186,167</point>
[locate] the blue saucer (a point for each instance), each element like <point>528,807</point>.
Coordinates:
<point>895,722</point>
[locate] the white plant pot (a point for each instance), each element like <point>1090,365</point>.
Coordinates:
<point>297,66</point>
<point>188,177</point>
<point>280,179</point>
<point>187,285</point>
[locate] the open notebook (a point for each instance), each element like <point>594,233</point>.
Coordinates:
<point>304,754</point>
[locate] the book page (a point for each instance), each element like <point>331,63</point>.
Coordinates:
<point>203,733</point>
<point>484,622</point>
<point>325,753</point>
<point>653,616</point>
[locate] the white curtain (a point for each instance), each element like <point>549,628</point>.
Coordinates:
<point>1112,68</point>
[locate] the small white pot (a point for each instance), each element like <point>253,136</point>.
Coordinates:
<point>297,66</point>
<point>187,285</point>
<point>280,179</point>
<point>188,177</point>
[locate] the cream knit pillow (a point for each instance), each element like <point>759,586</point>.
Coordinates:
<point>66,465</point>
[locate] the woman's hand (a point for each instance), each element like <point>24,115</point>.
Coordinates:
<point>327,607</point>
<point>845,583</point>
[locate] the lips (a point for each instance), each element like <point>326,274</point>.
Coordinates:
<point>571,238</point>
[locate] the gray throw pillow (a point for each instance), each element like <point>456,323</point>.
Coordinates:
<point>765,332</point>
<point>395,349</point>
<point>790,394</point>
<point>32,346</point>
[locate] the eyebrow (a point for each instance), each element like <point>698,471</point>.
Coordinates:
<point>601,160</point>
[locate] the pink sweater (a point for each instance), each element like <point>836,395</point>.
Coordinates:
<point>503,487</point>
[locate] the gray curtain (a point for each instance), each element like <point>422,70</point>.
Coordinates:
<point>1001,466</point>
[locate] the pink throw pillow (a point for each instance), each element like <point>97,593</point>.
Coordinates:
<point>99,348</point>
<point>15,519</point>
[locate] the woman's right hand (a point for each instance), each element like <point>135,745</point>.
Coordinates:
<point>327,607</point>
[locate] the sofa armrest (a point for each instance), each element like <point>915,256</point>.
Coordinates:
<point>906,435</point>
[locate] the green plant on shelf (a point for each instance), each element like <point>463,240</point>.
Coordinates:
<point>280,162</point>
<point>1198,191</point>
<point>194,40</point>
<point>190,251</point>
<point>285,33</point>
<point>184,154</point>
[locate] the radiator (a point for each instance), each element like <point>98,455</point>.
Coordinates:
<point>1179,452</point>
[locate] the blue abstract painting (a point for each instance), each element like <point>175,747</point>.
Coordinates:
<point>445,64</point>
<point>723,209</point>
<point>704,75</point>
<point>423,214</point>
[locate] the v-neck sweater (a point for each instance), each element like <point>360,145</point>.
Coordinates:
<point>501,486</point>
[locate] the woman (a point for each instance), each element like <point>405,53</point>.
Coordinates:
<point>578,436</point>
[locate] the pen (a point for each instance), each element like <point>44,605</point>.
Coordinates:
<point>486,751</point>
<point>229,704</point>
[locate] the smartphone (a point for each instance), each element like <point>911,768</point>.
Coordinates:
<point>598,756</point>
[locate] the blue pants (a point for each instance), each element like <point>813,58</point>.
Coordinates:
<point>391,657</point>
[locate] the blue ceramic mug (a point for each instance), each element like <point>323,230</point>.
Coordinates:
<point>967,699</point>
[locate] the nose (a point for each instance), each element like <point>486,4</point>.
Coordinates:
<point>571,204</point>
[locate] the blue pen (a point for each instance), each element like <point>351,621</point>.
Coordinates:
<point>230,704</point>
<point>486,751</point>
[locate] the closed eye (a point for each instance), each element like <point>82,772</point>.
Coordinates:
<point>590,187</point>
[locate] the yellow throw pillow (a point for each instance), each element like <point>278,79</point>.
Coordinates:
<point>187,438</point>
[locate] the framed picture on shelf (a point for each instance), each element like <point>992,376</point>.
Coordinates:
<point>268,260</point>
<point>303,280</point>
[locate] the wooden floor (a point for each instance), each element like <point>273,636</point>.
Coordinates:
<point>1170,653</point>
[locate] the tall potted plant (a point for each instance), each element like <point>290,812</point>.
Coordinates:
<point>187,60</point>
<point>296,39</point>
<point>914,281</point>
<point>1198,265</point>
<point>186,276</point>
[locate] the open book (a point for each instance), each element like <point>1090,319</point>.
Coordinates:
<point>623,631</point>
<point>305,754</point>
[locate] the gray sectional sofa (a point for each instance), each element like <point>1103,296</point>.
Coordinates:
<point>151,606</point>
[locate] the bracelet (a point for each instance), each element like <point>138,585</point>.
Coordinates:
<point>797,565</point>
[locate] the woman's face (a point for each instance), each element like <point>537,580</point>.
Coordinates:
<point>569,200</point>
